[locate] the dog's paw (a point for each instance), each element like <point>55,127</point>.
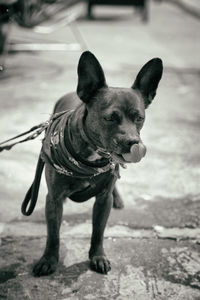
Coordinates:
<point>45,266</point>
<point>100,264</point>
<point>118,203</point>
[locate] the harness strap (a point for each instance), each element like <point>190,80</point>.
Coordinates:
<point>97,184</point>
<point>32,194</point>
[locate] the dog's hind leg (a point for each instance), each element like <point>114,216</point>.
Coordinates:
<point>117,200</point>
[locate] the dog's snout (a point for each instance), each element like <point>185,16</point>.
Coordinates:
<point>124,144</point>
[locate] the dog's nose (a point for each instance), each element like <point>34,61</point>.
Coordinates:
<point>129,143</point>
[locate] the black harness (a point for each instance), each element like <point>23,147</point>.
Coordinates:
<point>57,150</point>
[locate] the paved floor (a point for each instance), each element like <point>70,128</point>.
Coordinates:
<point>153,243</point>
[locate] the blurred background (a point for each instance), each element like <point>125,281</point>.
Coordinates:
<point>40,44</point>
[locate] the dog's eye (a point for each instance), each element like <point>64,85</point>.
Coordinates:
<point>114,117</point>
<point>109,118</point>
<point>139,119</point>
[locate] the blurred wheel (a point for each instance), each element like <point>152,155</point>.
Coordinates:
<point>28,12</point>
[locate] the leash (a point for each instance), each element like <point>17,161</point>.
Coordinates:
<point>32,194</point>
<point>38,129</point>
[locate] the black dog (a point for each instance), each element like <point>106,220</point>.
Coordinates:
<point>85,143</point>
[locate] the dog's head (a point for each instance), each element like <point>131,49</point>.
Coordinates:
<point>116,115</point>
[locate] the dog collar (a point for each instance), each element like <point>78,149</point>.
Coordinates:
<point>57,150</point>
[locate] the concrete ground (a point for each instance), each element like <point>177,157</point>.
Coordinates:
<point>154,242</point>
<point>190,6</point>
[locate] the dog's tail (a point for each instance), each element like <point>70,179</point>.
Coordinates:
<point>32,194</point>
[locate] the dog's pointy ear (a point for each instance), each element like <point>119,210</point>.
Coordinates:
<point>148,79</point>
<point>90,77</point>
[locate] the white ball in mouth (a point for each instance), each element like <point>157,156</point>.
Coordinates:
<point>137,152</point>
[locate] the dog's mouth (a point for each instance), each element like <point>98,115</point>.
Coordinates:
<point>119,158</point>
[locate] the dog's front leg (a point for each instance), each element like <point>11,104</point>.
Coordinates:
<point>48,262</point>
<point>57,187</point>
<point>101,211</point>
